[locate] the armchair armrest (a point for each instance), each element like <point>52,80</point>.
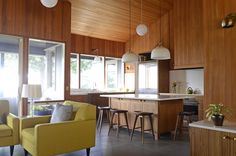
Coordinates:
<point>13,122</point>
<point>55,138</point>
<point>30,122</point>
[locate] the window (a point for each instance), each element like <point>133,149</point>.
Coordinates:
<point>46,67</point>
<point>95,73</point>
<point>130,77</point>
<point>9,69</point>
<point>114,73</point>
<point>91,72</point>
<point>74,71</point>
<point>148,77</point>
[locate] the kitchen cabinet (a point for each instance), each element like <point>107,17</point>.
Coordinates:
<point>188,34</point>
<point>205,142</point>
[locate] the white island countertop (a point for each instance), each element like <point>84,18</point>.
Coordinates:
<point>205,124</point>
<point>155,97</point>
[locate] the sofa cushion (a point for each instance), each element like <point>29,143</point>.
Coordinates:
<point>61,113</point>
<point>28,134</point>
<point>5,130</point>
<point>85,111</point>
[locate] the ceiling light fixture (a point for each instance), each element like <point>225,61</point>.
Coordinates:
<point>49,3</point>
<point>141,29</point>
<point>96,58</point>
<point>129,56</point>
<point>160,52</point>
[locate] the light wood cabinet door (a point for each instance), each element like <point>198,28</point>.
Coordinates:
<point>188,33</point>
<point>136,105</point>
<point>150,106</point>
<point>115,103</point>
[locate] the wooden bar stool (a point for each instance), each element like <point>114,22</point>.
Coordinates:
<point>142,115</point>
<point>180,120</point>
<point>118,112</point>
<point>100,120</point>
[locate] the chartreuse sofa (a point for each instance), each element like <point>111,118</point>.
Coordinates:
<point>41,138</point>
<point>9,132</point>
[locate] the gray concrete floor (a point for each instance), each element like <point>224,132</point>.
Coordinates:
<point>122,146</point>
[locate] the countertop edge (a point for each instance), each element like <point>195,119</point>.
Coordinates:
<point>129,96</point>
<point>209,125</point>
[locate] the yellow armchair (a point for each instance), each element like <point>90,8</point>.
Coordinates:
<point>9,132</point>
<point>41,138</point>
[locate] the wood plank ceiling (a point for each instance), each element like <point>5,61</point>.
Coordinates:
<point>109,19</point>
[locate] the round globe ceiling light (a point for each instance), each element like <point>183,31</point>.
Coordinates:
<point>49,3</point>
<point>141,29</point>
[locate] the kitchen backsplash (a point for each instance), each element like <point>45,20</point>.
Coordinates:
<point>181,80</point>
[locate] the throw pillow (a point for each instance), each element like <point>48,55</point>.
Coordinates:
<point>61,113</point>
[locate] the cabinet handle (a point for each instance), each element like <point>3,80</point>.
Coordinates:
<point>225,137</point>
<point>234,138</point>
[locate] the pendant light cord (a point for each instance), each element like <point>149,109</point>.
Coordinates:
<point>160,42</point>
<point>130,25</point>
<point>141,11</point>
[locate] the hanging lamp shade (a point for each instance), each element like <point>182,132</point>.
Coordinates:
<point>129,57</point>
<point>160,53</point>
<point>49,3</point>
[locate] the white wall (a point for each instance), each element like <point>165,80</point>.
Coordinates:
<point>187,78</point>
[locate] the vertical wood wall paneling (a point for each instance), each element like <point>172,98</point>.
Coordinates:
<point>66,36</point>
<point>188,34</point>
<point>84,45</point>
<point>30,19</point>
<point>220,46</point>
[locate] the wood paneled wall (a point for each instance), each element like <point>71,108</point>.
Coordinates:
<point>220,48</point>
<point>30,19</point>
<point>85,45</point>
<point>141,44</point>
<point>188,34</point>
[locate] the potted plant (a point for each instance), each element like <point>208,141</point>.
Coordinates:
<point>42,110</point>
<point>216,112</point>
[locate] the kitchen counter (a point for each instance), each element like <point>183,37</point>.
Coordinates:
<point>152,97</point>
<point>205,124</point>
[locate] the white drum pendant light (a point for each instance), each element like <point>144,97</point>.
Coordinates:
<point>141,29</point>
<point>129,57</point>
<point>160,52</point>
<point>49,3</point>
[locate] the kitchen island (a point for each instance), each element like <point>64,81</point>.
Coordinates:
<point>164,108</point>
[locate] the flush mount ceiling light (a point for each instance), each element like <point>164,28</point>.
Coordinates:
<point>160,52</point>
<point>49,3</point>
<point>141,29</point>
<point>129,57</point>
